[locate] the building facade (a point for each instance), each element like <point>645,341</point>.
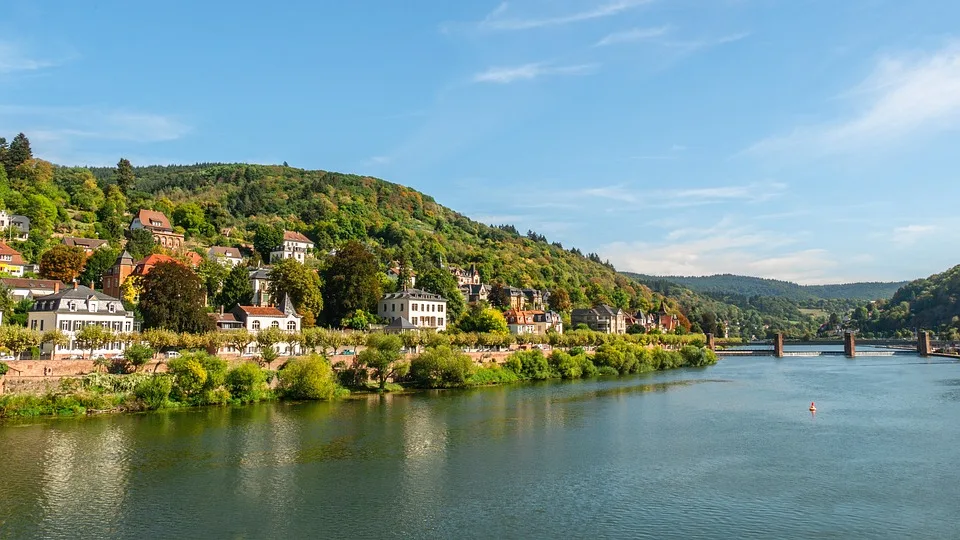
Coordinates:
<point>295,246</point>
<point>74,308</point>
<point>158,224</point>
<point>260,282</point>
<point>11,262</point>
<point>601,318</point>
<point>256,318</point>
<point>27,288</point>
<point>465,276</point>
<point>423,309</point>
<point>227,256</point>
<point>88,245</point>
<point>14,227</point>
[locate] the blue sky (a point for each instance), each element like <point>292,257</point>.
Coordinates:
<point>815,141</point>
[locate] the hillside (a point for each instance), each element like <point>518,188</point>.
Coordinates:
<point>730,284</point>
<point>930,303</point>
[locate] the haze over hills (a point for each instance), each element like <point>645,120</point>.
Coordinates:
<point>729,284</point>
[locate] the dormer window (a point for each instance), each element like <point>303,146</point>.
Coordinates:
<point>112,308</point>
<point>155,223</point>
<point>93,306</point>
<point>73,306</point>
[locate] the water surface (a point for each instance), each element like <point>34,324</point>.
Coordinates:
<point>728,451</point>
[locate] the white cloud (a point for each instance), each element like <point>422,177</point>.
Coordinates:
<point>526,72</point>
<point>903,96</point>
<point>685,197</point>
<point>635,34</point>
<point>13,59</point>
<point>498,19</point>
<point>911,234</point>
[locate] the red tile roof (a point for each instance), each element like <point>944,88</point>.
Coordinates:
<point>294,236</point>
<point>262,311</point>
<point>147,263</point>
<point>194,258</point>
<point>147,217</point>
<point>28,283</point>
<point>15,257</point>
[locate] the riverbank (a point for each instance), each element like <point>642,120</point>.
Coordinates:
<point>200,379</point>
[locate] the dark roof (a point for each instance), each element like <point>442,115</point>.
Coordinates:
<point>475,288</point>
<point>80,292</point>
<point>27,283</point>
<point>401,323</point>
<point>414,294</point>
<point>220,251</point>
<point>90,243</point>
<point>260,273</point>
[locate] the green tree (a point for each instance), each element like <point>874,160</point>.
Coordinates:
<point>62,262</point>
<point>302,284</point>
<point>266,339</point>
<point>87,195</point>
<point>140,243</point>
<point>93,337</point>
<point>172,297</point>
<point>438,281</point>
<point>138,354</point>
<point>97,264</point>
<point>308,377</point>
<point>189,216</point>
<point>213,275</point>
<point>382,357</point>
<point>441,367</point>
<point>267,238</point>
<point>18,339</point>
<point>560,300</point>
<point>18,153</point>
<point>499,297</point>
<point>236,289</point>
<point>351,282</point>
<point>483,320</point>
<point>247,383</point>
<point>125,176</point>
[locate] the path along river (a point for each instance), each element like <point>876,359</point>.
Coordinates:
<point>728,451</point>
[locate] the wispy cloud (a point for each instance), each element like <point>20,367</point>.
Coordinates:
<point>526,72</point>
<point>903,96</point>
<point>686,197</point>
<point>911,234</point>
<point>12,59</point>
<point>635,34</point>
<point>696,45</point>
<point>500,20</point>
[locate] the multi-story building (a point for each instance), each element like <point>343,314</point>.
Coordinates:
<point>547,321</point>
<point>158,224</point>
<point>114,277</point>
<point>14,227</point>
<point>260,282</point>
<point>601,318</point>
<point>27,288</point>
<point>535,322</point>
<point>422,309</point>
<point>74,308</point>
<point>227,256</point>
<point>295,246</point>
<point>465,277</point>
<point>257,318</point>
<point>89,245</point>
<point>479,292</point>
<point>11,262</point>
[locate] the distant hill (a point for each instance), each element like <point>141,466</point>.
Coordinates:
<point>931,303</point>
<point>729,284</point>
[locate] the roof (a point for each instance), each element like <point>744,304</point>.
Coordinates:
<point>294,236</point>
<point>79,292</point>
<point>193,258</point>
<point>401,323</point>
<point>260,273</point>
<point>16,258</point>
<point>223,317</point>
<point>514,316</point>
<point>27,283</point>
<point>147,263</point>
<point>414,294</point>
<point>475,288</point>
<point>256,311</point>
<point>148,216</point>
<point>89,243</point>
<point>220,251</point>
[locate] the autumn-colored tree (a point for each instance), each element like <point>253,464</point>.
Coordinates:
<point>560,300</point>
<point>62,262</point>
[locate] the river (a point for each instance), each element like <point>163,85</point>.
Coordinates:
<point>728,451</point>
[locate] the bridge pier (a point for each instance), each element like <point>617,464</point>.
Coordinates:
<point>778,345</point>
<point>849,344</point>
<point>923,343</point>
<point>711,342</point>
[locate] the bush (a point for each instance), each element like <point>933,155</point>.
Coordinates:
<point>154,392</point>
<point>4,368</point>
<point>138,354</point>
<point>247,383</point>
<point>308,377</point>
<point>605,371</point>
<point>441,367</point>
<point>531,365</point>
<point>189,377</point>
<point>492,374</point>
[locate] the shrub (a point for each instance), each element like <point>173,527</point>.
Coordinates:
<point>189,377</point>
<point>154,392</point>
<point>247,383</point>
<point>441,367</point>
<point>138,354</point>
<point>607,371</point>
<point>532,365</point>
<point>4,368</point>
<point>308,377</point>
<point>567,366</point>
<point>492,374</point>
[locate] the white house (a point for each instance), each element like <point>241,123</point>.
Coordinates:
<point>11,262</point>
<point>88,245</point>
<point>422,309</point>
<point>257,318</point>
<point>73,308</point>
<point>16,227</point>
<point>227,256</point>
<point>295,246</point>
<point>260,282</point>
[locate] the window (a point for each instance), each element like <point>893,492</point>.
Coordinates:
<point>384,308</point>
<point>65,326</point>
<point>255,325</point>
<point>440,321</point>
<point>401,307</point>
<point>126,327</point>
<point>440,308</point>
<point>73,306</point>
<point>292,326</point>
<point>393,307</point>
<point>413,307</point>
<point>275,324</point>
<point>41,325</point>
<point>111,307</point>
<point>413,320</point>
<point>33,324</point>
<point>93,306</point>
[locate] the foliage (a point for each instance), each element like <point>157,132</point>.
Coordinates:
<point>96,265</point>
<point>492,374</point>
<point>560,300</point>
<point>753,286</point>
<point>267,238</point>
<point>125,176</point>
<point>483,320</point>
<point>441,367</point>
<point>308,377</point>
<point>154,392</point>
<point>236,289</point>
<point>173,298</point>
<point>18,338</point>
<point>138,354</point>
<point>358,320</point>
<point>351,281</point>
<point>140,243</point>
<point>247,383</point>
<point>382,357</point>
<point>294,279</point>
<point>531,365</point>
<point>62,262</point>
<point>4,368</point>
<point>439,281</point>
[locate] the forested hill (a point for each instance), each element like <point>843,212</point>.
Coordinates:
<point>729,284</point>
<point>931,303</point>
<point>222,204</point>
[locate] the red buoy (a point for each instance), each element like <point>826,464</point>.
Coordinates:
<point>813,408</point>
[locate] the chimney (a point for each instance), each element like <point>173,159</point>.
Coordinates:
<point>56,286</point>
<point>221,309</point>
<point>74,284</point>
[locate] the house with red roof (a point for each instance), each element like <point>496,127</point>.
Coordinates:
<point>158,224</point>
<point>295,246</point>
<point>11,262</point>
<point>258,318</point>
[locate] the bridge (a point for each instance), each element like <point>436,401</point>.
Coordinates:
<point>923,347</point>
